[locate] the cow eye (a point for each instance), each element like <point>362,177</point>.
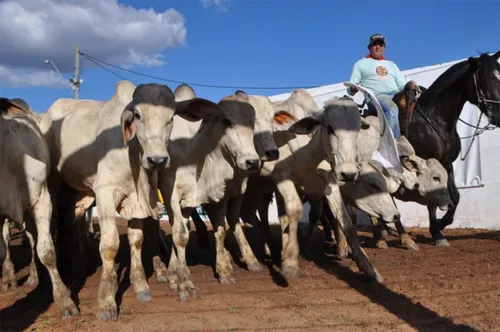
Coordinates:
<point>436,178</point>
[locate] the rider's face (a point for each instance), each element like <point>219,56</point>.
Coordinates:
<point>377,49</point>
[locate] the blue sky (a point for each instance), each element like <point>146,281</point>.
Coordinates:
<point>281,43</point>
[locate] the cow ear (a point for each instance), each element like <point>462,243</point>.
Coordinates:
<point>283,120</point>
<point>411,164</point>
<point>404,147</point>
<point>10,108</point>
<point>184,92</point>
<point>306,125</point>
<point>128,124</point>
<point>196,109</point>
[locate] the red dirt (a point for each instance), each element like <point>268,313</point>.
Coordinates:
<point>435,289</point>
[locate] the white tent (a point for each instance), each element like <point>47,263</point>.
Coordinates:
<point>473,211</point>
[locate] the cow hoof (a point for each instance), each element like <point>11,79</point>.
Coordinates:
<point>412,247</point>
<point>227,280</point>
<point>255,267</point>
<point>70,312</point>
<point>184,295</point>
<point>144,296</point>
<point>378,278</point>
<point>32,282</point>
<point>290,271</point>
<point>342,252</point>
<point>173,286</point>
<point>442,243</point>
<point>161,278</point>
<point>108,313</point>
<point>381,244</point>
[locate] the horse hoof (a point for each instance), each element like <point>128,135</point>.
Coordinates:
<point>442,243</point>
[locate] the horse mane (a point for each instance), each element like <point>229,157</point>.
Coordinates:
<point>446,79</point>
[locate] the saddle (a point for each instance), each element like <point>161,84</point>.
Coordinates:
<point>408,100</point>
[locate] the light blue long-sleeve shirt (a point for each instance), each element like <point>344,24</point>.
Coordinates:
<point>380,76</point>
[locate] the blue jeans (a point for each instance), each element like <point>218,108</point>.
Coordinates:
<point>391,112</point>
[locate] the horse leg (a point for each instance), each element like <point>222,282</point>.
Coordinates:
<point>447,219</point>
<point>438,238</point>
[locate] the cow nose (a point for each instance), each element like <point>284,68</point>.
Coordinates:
<point>252,164</point>
<point>272,155</point>
<point>417,185</point>
<point>157,162</point>
<point>351,176</point>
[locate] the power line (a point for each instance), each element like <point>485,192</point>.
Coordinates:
<point>95,60</point>
<point>98,64</point>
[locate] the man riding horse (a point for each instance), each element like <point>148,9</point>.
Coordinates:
<point>383,78</point>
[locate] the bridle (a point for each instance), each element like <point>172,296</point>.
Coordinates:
<point>483,103</point>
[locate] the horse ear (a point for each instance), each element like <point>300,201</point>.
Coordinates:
<point>497,55</point>
<point>474,64</point>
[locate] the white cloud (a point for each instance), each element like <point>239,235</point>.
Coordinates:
<point>222,5</point>
<point>36,30</point>
<point>19,78</point>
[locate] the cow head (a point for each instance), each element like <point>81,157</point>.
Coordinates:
<point>267,120</point>
<point>149,118</point>
<point>339,123</point>
<point>432,178</point>
<point>370,194</point>
<point>236,123</point>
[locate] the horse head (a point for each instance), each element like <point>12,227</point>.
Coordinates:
<point>484,87</point>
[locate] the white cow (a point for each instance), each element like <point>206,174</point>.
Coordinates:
<point>209,168</point>
<point>333,133</point>
<point>24,168</point>
<point>124,142</point>
<point>267,120</point>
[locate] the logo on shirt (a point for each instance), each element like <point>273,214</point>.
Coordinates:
<point>381,71</point>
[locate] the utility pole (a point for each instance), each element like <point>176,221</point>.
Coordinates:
<point>76,81</point>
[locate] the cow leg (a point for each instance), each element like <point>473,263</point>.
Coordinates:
<point>338,208</point>
<point>108,249</point>
<point>216,212</point>
<point>378,235</point>
<point>33,278</point>
<point>233,213</point>
<point>342,246</point>
<point>42,212</point>
<point>158,243</point>
<point>314,217</point>
<point>137,276</point>
<point>406,240</point>
<point>8,271</point>
<point>291,203</point>
<point>178,263</point>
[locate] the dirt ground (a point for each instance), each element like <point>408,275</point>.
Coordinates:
<point>433,289</point>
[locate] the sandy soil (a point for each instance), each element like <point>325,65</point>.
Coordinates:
<point>434,289</point>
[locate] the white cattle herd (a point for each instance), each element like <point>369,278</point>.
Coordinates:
<point>227,156</point>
